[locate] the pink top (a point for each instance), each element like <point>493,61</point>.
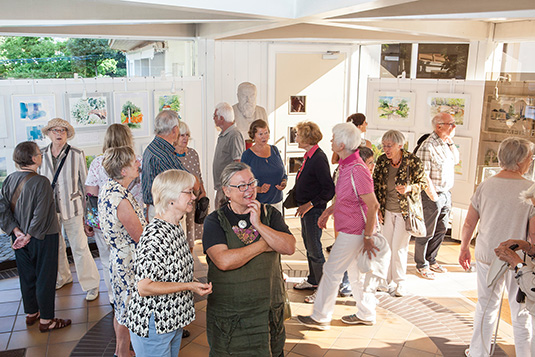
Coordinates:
<point>347,214</point>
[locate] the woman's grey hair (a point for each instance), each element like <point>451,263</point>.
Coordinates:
<point>347,134</point>
<point>394,136</point>
<point>225,111</point>
<point>168,186</point>
<point>231,169</point>
<point>183,128</point>
<point>116,159</point>
<point>165,121</point>
<point>513,151</point>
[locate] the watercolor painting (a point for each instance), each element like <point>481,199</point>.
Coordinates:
<point>89,112</point>
<point>456,104</point>
<point>462,168</point>
<point>3,120</point>
<point>38,107</point>
<point>3,170</point>
<point>33,133</point>
<point>510,115</point>
<point>169,101</point>
<point>394,108</point>
<point>7,165</point>
<point>132,109</point>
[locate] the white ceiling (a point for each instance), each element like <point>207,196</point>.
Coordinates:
<point>303,20</point>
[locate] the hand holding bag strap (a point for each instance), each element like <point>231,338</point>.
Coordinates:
<point>56,175</point>
<point>18,190</point>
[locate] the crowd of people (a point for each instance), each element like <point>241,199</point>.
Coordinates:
<point>142,212</point>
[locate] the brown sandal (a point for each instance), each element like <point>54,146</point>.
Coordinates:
<point>30,320</point>
<point>60,323</point>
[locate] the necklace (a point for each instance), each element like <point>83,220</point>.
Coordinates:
<point>242,223</point>
<point>397,163</point>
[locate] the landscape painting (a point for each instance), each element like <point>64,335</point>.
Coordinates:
<point>394,108</point>
<point>88,112</point>
<point>455,104</point>
<point>169,101</point>
<point>132,109</point>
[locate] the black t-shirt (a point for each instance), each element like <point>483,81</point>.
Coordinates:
<point>214,234</point>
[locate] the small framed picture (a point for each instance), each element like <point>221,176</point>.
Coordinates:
<point>292,133</point>
<point>294,164</point>
<point>297,104</point>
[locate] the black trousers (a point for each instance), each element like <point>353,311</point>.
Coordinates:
<point>37,264</point>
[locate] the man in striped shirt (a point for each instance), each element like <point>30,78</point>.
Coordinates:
<point>160,156</point>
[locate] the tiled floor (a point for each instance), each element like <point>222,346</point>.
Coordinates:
<point>435,320</point>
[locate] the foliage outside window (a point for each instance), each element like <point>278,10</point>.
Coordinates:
<point>46,57</point>
<point>443,61</point>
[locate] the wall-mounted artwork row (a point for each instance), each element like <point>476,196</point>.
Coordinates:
<point>132,109</point>
<point>7,166</point>
<point>91,111</point>
<point>3,119</point>
<point>394,109</point>
<point>456,104</point>
<point>30,114</point>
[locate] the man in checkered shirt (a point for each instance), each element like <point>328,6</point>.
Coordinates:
<point>439,157</point>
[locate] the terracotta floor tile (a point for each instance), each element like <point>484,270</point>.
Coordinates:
<point>195,331</point>
<point>201,340</point>
<point>38,351</point>
<point>313,348</point>
<point>351,344</point>
<point>70,289</point>
<point>200,318</point>
<point>27,338</point>
<point>70,302</point>
<point>411,352</point>
<point>342,353</point>
<point>97,312</point>
<point>194,350</point>
<point>61,349</point>
<point>383,348</point>
<point>68,334</point>
<point>422,344</point>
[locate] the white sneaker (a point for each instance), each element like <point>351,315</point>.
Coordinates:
<point>311,298</point>
<point>60,285</point>
<point>305,285</point>
<point>92,294</point>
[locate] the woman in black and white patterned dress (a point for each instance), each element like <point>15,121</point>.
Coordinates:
<point>162,303</point>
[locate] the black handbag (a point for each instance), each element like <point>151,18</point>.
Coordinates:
<point>201,209</point>
<point>290,201</point>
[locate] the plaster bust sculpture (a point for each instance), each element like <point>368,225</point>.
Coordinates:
<point>246,111</point>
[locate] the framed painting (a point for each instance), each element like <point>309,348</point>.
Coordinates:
<point>394,108</point>
<point>462,169</point>
<point>7,166</point>
<point>30,114</point>
<point>164,100</point>
<point>3,119</point>
<point>132,109</point>
<point>488,171</point>
<point>294,163</point>
<point>458,105</point>
<point>292,133</point>
<point>509,115</point>
<point>91,112</point>
<point>297,104</point>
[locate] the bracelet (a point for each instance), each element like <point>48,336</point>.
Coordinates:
<point>367,237</point>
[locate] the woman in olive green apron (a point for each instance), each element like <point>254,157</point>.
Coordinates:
<point>243,241</point>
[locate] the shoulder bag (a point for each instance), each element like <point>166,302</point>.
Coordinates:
<point>414,221</point>
<point>18,190</point>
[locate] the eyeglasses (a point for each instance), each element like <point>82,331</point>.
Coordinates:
<point>59,131</point>
<point>450,124</point>
<point>389,146</point>
<point>245,186</point>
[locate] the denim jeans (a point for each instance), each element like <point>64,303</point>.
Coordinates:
<point>436,215</point>
<point>157,345</point>
<point>311,234</point>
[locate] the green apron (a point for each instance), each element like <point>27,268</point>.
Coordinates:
<point>245,311</point>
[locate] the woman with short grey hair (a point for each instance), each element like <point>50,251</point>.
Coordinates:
<point>501,215</point>
<point>397,174</point>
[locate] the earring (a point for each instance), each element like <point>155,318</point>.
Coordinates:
<point>172,203</point>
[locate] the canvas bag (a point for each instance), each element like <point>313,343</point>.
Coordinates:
<point>415,222</point>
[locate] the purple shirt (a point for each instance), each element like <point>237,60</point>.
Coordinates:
<point>347,213</point>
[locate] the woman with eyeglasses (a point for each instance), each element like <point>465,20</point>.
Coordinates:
<point>243,241</point>
<point>121,221</point>
<point>162,301</point>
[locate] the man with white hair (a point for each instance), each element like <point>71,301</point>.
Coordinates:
<point>160,156</point>
<point>439,157</point>
<point>246,111</point>
<point>230,146</point>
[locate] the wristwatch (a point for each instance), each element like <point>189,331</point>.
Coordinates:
<point>519,266</point>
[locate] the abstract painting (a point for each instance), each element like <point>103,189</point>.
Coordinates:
<point>456,104</point>
<point>394,108</point>
<point>169,101</point>
<point>132,109</point>
<point>38,107</point>
<point>462,168</point>
<point>89,112</point>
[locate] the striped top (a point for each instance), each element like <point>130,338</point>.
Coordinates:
<point>69,192</point>
<point>158,157</point>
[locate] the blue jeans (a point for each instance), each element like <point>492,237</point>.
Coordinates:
<point>157,345</point>
<point>311,234</point>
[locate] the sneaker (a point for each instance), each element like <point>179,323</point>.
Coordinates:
<point>354,320</point>
<point>311,298</point>
<point>391,290</point>
<point>400,291</point>
<point>92,294</point>
<point>310,322</point>
<point>345,291</point>
<point>437,268</point>
<point>60,285</point>
<point>305,285</point>
<point>467,352</point>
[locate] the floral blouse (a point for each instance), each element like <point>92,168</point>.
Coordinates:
<point>162,254</point>
<point>417,179</point>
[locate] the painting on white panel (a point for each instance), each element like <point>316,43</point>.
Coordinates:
<point>30,114</point>
<point>7,166</point>
<point>462,168</point>
<point>3,119</point>
<point>166,100</point>
<point>456,104</point>
<point>394,109</point>
<point>132,109</point>
<point>88,112</point>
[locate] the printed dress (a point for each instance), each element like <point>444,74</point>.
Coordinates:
<point>122,246</point>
